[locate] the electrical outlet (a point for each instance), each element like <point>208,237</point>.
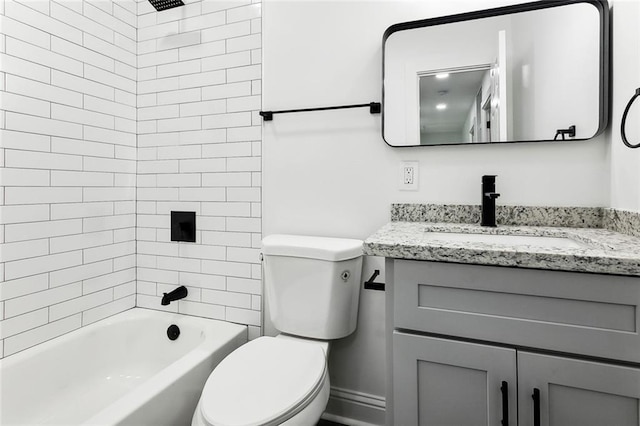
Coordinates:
<point>407,172</point>
<point>409,175</point>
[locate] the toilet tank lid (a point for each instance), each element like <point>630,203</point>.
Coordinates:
<point>324,248</point>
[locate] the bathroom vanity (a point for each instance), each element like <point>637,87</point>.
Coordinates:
<point>515,325</point>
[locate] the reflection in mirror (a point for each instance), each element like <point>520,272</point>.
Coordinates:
<point>459,106</point>
<point>519,73</point>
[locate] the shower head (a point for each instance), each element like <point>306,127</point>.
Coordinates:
<point>165,4</point>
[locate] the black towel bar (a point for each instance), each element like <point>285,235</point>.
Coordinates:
<point>374,108</point>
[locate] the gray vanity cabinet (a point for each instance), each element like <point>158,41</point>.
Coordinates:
<point>455,332</point>
<point>446,382</point>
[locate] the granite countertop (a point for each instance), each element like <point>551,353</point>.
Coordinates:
<point>600,251</point>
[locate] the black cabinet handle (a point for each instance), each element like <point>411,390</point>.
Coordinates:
<point>536,406</point>
<point>504,388</point>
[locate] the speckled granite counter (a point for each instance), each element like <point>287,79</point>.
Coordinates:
<point>601,251</point>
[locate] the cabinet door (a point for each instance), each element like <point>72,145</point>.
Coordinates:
<point>439,382</point>
<point>576,393</point>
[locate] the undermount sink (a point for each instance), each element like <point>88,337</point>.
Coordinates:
<point>512,240</point>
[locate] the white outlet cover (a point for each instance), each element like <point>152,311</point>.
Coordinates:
<point>416,176</point>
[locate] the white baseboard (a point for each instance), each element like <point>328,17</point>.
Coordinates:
<point>354,408</point>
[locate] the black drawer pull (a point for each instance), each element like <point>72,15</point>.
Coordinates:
<point>504,388</point>
<point>536,406</point>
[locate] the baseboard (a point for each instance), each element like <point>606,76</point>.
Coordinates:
<point>354,408</point>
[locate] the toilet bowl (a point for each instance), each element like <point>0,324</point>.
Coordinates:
<point>312,286</point>
<point>279,380</point>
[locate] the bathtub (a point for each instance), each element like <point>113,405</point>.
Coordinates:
<point>122,370</point>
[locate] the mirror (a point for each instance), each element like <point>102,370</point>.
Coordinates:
<point>524,73</point>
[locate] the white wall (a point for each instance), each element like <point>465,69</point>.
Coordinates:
<point>199,149</point>
<point>330,173</point>
<point>625,162</point>
<point>67,147</point>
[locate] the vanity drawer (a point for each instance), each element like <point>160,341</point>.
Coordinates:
<point>589,314</point>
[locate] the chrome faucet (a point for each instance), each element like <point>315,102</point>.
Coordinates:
<point>178,293</point>
<point>489,196</point>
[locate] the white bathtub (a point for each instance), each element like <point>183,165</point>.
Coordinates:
<point>122,370</point>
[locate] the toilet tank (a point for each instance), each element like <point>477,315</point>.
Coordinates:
<point>312,284</point>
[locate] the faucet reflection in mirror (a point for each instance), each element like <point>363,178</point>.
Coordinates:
<point>511,75</point>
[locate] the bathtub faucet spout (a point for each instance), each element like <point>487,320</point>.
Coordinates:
<point>177,294</point>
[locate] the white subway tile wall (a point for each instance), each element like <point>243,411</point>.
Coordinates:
<point>199,149</point>
<point>113,115</point>
<point>68,157</point>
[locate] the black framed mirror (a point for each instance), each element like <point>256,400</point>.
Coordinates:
<point>531,72</point>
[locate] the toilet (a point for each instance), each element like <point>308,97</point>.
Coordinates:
<point>312,285</point>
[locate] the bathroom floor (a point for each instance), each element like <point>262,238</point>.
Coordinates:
<point>323,422</point>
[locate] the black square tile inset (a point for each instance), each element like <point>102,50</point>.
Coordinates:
<point>165,4</point>
<point>183,226</point>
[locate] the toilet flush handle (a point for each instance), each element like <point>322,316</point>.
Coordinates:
<point>345,275</point>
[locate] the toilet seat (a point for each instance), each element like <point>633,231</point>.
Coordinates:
<point>264,382</point>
